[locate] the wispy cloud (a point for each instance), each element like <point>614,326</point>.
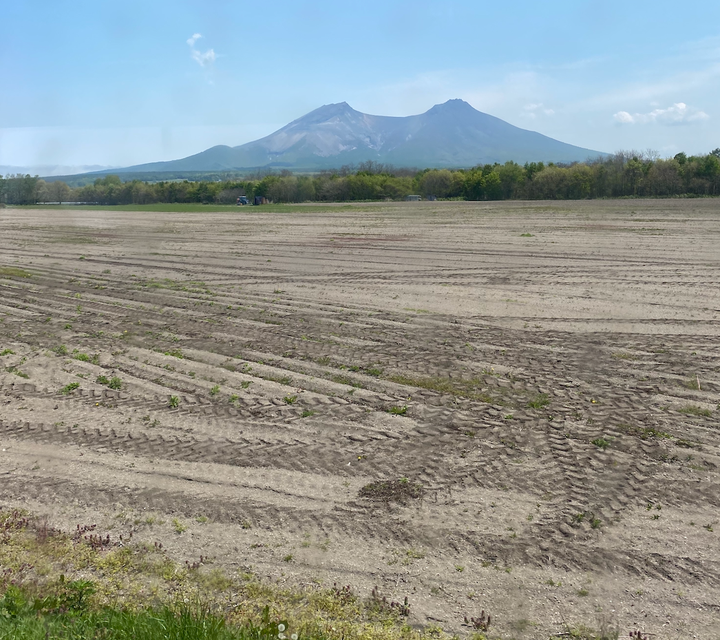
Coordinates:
<point>678,113</point>
<point>534,109</point>
<point>663,88</point>
<point>203,59</point>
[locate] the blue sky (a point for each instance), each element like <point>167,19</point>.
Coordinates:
<point>120,83</point>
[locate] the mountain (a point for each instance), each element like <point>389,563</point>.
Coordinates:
<point>453,134</point>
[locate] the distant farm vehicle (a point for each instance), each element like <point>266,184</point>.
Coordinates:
<point>242,200</point>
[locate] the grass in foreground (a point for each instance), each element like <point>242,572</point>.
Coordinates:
<point>90,585</point>
<point>64,615</point>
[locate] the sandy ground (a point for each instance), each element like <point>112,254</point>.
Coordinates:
<point>300,331</point>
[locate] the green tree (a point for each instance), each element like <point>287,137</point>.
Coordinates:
<point>633,175</point>
<point>512,179</point>
<point>532,168</point>
<point>474,185</point>
<point>493,186</point>
<point>664,178</point>
<point>59,192</point>
<point>21,189</point>
<point>579,182</point>
<point>437,183</point>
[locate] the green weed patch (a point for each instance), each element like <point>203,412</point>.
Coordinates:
<point>93,585</point>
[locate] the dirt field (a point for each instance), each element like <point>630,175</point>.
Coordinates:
<point>509,406</point>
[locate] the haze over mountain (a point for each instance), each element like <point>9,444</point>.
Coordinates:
<point>48,170</point>
<point>453,134</point>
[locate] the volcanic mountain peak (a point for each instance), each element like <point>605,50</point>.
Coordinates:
<point>452,134</point>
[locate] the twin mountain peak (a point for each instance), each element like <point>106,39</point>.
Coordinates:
<point>452,134</point>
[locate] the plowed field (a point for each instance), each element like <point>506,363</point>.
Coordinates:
<point>510,407</point>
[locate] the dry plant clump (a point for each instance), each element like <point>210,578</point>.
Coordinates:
<point>400,490</point>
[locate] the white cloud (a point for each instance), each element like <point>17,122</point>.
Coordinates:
<point>623,117</point>
<point>678,113</point>
<point>203,59</point>
<point>534,109</point>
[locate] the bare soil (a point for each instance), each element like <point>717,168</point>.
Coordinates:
<point>507,407</point>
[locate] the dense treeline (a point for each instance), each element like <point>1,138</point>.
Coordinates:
<point>623,174</point>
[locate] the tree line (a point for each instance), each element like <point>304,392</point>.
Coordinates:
<point>641,174</point>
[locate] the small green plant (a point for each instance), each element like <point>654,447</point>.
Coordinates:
<point>245,384</point>
<point>459,568</point>
<point>174,402</point>
<point>7,352</point>
<point>69,388</point>
<point>307,413</point>
<point>601,443</point>
<point>178,526</point>
<point>112,383</point>
<point>84,357</point>
<point>644,433</point>
<point>233,398</point>
<point>692,382</point>
<point>215,390</point>
<point>583,592</point>
<point>290,399</point>
<point>288,557</point>
<point>540,401</point>
<point>693,410</point>
<point>414,554</point>
<point>14,272</point>
<point>398,411</point>
<point>526,235</point>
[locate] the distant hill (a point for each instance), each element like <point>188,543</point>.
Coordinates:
<point>453,134</point>
<point>53,170</point>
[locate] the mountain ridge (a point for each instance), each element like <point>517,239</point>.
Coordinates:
<point>452,134</point>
